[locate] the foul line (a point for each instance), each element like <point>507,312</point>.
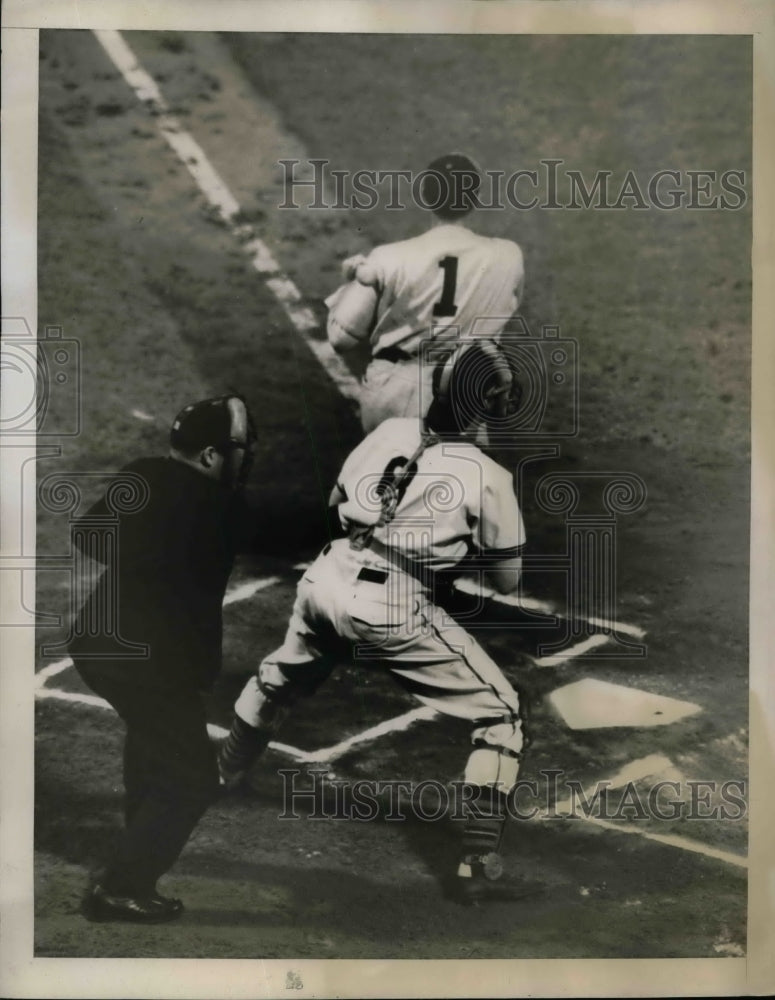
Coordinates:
<point>215,190</point>
<point>637,770</point>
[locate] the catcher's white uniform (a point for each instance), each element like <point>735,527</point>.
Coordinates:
<point>376,602</point>
<point>445,284</point>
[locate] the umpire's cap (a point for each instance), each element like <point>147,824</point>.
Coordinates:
<point>450,185</point>
<point>208,422</point>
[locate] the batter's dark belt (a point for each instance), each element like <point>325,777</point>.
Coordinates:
<point>392,354</point>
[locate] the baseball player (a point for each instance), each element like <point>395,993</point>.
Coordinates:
<point>168,572</point>
<point>446,284</point>
<point>416,498</point>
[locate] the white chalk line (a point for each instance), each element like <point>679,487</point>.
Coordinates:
<point>55,694</point>
<point>323,756</point>
<point>142,415</point>
<point>557,659</point>
<point>524,603</point>
<point>248,589</point>
<point>219,196</point>
<point>672,840</point>
<point>51,671</point>
<point>214,731</point>
<point>646,767</point>
<point>643,768</point>
<point>397,724</point>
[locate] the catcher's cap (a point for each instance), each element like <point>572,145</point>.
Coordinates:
<point>450,185</point>
<point>221,421</point>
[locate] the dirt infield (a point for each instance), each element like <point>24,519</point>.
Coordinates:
<point>136,266</point>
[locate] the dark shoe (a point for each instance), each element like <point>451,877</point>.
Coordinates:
<point>478,881</point>
<point>173,905</point>
<point>101,906</point>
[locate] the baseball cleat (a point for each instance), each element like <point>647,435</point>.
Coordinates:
<point>478,881</point>
<point>100,906</point>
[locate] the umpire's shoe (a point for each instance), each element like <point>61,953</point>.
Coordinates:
<point>101,906</point>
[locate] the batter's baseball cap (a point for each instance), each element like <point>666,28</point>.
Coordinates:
<point>207,422</point>
<point>450,185</point>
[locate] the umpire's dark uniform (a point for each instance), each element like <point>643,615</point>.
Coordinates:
<point>170,568</point>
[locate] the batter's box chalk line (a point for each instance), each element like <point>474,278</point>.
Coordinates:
<point>653,765</point>
<point>649,766</point>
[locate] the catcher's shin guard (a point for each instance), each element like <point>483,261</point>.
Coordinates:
<point>482,835</point>
<point>492,769</point>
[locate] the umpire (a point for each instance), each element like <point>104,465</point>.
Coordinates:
<point>170,569</point>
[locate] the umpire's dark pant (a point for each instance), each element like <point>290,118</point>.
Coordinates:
<point>170,772</point>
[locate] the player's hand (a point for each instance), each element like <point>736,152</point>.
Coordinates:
<point>350,266</point>
<point>358,268</point>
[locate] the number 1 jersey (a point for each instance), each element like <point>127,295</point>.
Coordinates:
<point>446,280</point>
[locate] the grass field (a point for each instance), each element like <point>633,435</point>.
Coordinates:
<point>133,264</point>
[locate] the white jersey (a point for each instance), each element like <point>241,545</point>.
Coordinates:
<point>446,283</point>
<point>454,501</point>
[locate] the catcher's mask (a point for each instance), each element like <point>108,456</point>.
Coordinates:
<point>226,424</point>
<point>476,383</point>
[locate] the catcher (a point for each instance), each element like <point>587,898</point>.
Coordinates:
<point>415,498</point>
<point>446,284</point>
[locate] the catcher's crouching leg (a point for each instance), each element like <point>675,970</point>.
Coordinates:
<point>259,712</point>
<point>492,770</point>
<point>256,718</point>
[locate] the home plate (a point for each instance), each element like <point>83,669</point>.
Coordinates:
<point>593,704</point>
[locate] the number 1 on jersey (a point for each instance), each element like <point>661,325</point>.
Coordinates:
<point>446,304</point>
